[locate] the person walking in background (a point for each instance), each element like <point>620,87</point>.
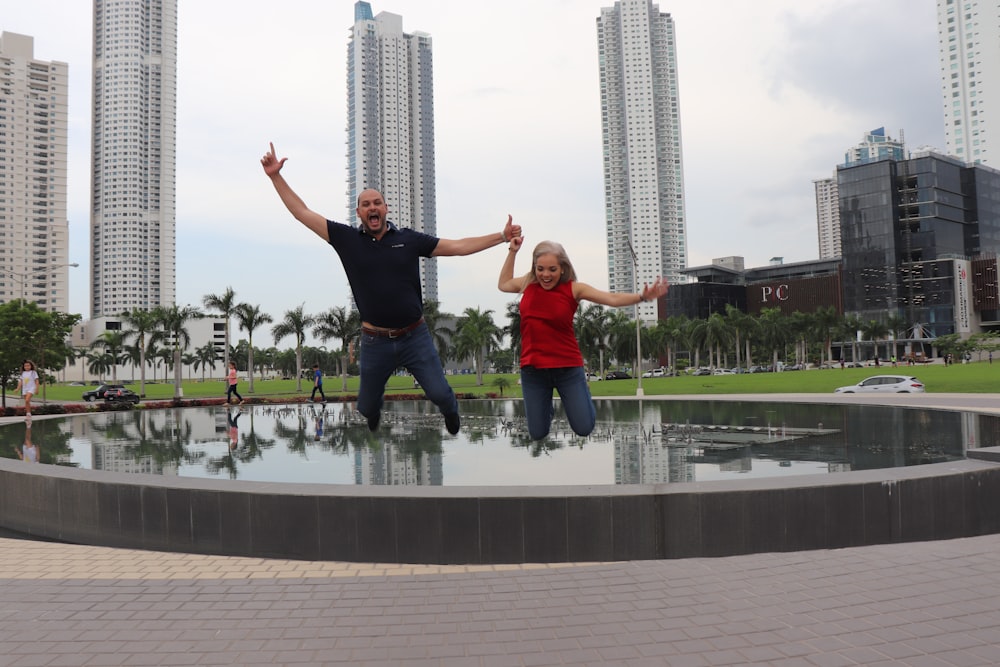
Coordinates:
<point>550,354</point>
<point>382,263</point>
<point>27,384</point>
<point>317,384</point>
<point>232,378</point>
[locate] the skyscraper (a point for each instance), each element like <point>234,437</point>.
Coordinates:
<point>390,124</point>
<point>827,217</point>
<point>132,225</point>
<point>641,127</point>
<point>874,146</point>
<point>34,231</point>
<point>969,51</point>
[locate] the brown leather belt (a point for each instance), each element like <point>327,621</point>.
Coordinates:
<point>392,333</point>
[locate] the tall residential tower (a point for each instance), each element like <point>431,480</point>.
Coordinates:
<point>969,50</point>
<point>132,223</point>
<point>34,231</point>
<point>390,124</point>
<point>641,127</point>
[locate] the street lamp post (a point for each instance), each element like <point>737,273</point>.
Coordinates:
<point>26,275</point>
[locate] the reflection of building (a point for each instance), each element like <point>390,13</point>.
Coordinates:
<point>642,461</point>
<point>34,249</point>
<point>641,127</point>
<point>391,465</point>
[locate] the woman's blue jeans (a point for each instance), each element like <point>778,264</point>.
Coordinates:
<point>571,383</point>
<point>414,351</point>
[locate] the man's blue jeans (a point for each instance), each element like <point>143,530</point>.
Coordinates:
<point>571,383</point>
<point>414,351</point>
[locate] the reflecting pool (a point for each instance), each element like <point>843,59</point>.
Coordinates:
<point>635,442</point>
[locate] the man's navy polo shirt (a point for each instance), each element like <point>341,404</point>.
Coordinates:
<point>384,275</point>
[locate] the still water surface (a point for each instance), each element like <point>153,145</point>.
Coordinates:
<point>635,442</point>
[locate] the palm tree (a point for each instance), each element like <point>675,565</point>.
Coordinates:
<point>337,323</point>
<point>440,332</point>
<point>138,323</point>
<point>718,336</point>
<point>874,330</point>
<point>827,323</point>
<point>113,344</point>
<point>205,356</point>
<point>773,332</point>
<point>477,336</point>
<point>99,363</point>
<point>250,317</point>
<point>591,327</point>
<point>621,336</point>
<point>850,328</point>
<point>295,324</point>
<point>513,328</point>
<point>738,323</point>
<point>896,324</point>
<point>173,332</point>
<point>225,305</point>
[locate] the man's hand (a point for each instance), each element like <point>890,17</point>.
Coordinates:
<point>511,230</point>
<point>272,165</point>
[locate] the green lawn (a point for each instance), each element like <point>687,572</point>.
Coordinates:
<point>979,377</point>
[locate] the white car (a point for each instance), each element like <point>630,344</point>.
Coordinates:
<point>885,384</point>
<point>654,373</point>
<point>722,371</point>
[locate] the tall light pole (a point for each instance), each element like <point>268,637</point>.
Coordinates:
<point>638,323</point>
<point>23,277</point>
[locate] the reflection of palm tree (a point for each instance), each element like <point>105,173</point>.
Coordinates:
<point>295,437</point>
<point>52,442</point>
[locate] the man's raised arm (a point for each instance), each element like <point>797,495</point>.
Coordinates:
<point>473,244</point>
<point>311,219</point>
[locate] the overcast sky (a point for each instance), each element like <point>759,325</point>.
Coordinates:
<point>772,94</point>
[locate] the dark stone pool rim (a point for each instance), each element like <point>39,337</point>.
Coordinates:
<point>498,525</point>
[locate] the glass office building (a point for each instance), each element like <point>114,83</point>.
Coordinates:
<point>910,230</point>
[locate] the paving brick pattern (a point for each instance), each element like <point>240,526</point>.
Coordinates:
<point>920,604</point>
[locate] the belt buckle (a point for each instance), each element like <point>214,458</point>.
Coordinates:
<point>391,334</point>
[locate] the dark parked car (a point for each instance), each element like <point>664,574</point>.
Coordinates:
<point>121,396</point>
<point>617,375</point>
<point>100,391</point>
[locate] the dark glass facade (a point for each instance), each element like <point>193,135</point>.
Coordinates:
<point>908,229</point>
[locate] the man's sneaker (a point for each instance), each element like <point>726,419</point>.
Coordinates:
<point>373,421</point>
<point>453,422</point>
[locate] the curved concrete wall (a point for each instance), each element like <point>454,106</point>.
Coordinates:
<point>500,524</point>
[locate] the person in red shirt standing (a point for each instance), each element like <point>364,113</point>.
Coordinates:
<point>550,354</point>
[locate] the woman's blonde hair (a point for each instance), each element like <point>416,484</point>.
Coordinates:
<point>551,248</point>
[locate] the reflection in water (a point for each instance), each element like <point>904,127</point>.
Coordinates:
<point>635,442</point>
